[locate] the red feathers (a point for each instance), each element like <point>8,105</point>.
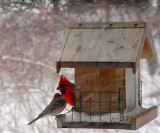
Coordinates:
<point>66,88</point>
<point>63,80</point>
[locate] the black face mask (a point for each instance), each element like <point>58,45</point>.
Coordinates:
<point>63,90</point>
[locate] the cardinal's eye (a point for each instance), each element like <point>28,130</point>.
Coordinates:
<point>62,86</point>
<point>62,90</point>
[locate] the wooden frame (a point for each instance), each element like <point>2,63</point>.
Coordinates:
<point>136,121</point>
<point>151,46</point>
<point>110,25</point>
<point>95,65</point>
<point>143,118</point>
<point>97,125</point>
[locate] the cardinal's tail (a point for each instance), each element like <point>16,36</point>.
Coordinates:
<point>39,116</point>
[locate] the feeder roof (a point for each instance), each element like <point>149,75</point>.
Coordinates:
<point>116,44</point>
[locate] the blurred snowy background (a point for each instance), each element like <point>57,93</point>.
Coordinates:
<point>31,32</point>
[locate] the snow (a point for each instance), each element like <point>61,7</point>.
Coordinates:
<point>73,116</point>
<point>36,11</point>
<point>136,111</point>
<point>113,117</point>
<point>24,60</point>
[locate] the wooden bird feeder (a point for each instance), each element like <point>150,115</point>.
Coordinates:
<point>106,58</point>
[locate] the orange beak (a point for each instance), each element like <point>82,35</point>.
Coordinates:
<point>58,88</point>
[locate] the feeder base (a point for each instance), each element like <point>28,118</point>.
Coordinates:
<point>135,123</point>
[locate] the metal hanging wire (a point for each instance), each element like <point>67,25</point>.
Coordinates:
<point>107,11</point>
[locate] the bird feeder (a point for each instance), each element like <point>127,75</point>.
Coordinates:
<point>108,90</point>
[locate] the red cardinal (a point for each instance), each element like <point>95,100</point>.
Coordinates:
<point>66,88</point>
<point>56,106</point>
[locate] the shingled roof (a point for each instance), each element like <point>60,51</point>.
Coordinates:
<point>109,45</point>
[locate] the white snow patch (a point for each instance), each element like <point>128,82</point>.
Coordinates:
<point>25,60</point>
<point>36,10</point>
<point>113,117</point>
<point>134,112</point>
<point>83,117</point>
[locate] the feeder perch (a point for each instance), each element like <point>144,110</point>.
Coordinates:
<point>106,58</point>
